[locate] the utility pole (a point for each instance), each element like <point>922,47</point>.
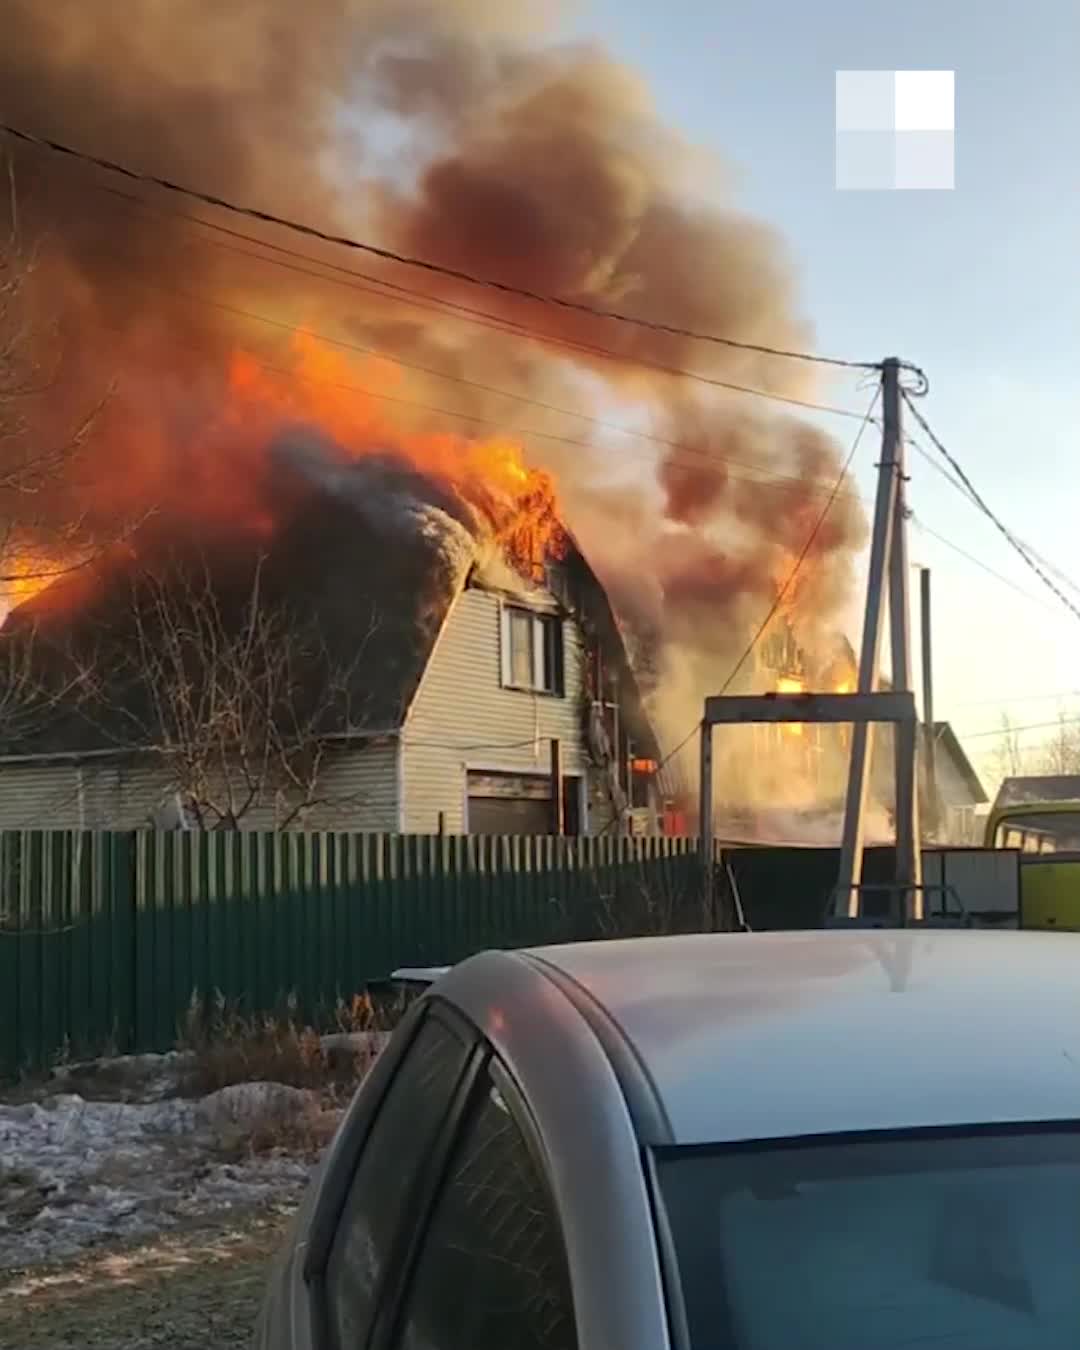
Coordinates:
<point>905,737</point>
<point>888,564</point>
<point>933,806</point>
<point>851,848</point>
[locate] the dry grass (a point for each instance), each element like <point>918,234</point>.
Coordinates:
<point>188,1291</point>
<point>304,1135</point>
<point>224,1046</point>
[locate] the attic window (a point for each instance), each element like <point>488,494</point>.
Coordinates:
<point>532,650</point>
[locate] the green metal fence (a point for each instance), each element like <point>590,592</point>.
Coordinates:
<point>105,937</point>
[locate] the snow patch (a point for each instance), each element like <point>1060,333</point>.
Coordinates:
<point>109,1150</point>
<point>75,1172</point>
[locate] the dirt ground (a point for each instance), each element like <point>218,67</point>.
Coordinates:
<point>189,1290</point>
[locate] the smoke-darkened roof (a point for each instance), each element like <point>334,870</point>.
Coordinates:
<point>363,587</point>
<point>360,577</point>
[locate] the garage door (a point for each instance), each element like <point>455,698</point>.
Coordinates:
<point>503,803</point>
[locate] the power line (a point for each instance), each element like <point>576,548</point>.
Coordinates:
<point>792,575</point>
<point>977,562</point>
<point>1031,726</point>
<point>1002,699</point>
<point>981,504</point>
<point>939,469</point>
<point>766,477</point>
<point>490,745</point>
<point>425,264</point>
<point>782,593</point>
<point>672,753</point>
<point>1050,567</point>
<point>404,295</point>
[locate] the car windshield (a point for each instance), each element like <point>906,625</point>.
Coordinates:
<point>952,1241</point>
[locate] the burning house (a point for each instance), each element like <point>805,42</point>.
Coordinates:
<point>395,656</point>
<point>351,493</point>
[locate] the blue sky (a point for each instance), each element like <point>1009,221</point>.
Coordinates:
<point>980,285</point>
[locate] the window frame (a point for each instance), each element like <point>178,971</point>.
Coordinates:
<point>545,648</point>
<point>489,1072</point>
<point>670,1276</point>
<point>342,1165</point>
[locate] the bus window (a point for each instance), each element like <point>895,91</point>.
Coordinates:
<point>1040,832</point>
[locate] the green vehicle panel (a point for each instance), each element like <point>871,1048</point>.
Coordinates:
<point>1047,834</point>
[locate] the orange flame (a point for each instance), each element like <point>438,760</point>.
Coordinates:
<point>217,470</point>
<point>791,684</point>
<point>518,503</point>
<point>26,574</point>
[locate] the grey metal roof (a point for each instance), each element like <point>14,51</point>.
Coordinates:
<point>752,1036</point>
<point>1046,788</point>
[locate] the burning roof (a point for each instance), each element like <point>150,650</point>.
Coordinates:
<point>364,560</point>
<point>515,157</point>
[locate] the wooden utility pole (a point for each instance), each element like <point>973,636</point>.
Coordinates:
<point>933,806</point>
<point>888,567</point>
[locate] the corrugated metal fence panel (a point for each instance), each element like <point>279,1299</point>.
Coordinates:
<point>66,945</point>
<point>105,939</point>
<point>985,881</point>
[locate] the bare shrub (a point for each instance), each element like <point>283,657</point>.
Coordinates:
<point>225,1046</point>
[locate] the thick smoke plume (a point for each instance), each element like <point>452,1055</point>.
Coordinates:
<point>452,130</point>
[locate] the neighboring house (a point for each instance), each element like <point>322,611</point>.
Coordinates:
<point>458,725</point>
<point>820,754</point>
<point>960,792</point>
<point>814,753</point>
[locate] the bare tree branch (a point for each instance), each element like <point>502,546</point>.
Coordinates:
<point>30,698</point>
<point>1008,755</point>
<point>1060,754</point>
<point>241,700</point>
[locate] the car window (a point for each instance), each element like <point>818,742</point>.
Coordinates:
<point>492,1267</point>
<point>968,1240</point>
<point>401,1138</point>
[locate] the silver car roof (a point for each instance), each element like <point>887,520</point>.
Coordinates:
<point>753,1036</point>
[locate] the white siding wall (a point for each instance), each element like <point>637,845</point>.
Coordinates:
<point>360,786</point>
<point>461,703</point>
<point>67,796</point>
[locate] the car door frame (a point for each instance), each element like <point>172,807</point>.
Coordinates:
<point>586,1127</point>
<point>485,1065</point>
<point>348,1147</point>
<point>594,1155</point>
